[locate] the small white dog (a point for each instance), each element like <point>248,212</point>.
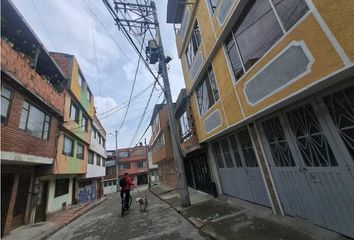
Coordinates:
<point>143,203</point>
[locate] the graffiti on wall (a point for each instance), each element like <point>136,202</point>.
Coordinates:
<point>87,193</point>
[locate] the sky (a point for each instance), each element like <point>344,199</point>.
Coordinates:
<point>85,28</point>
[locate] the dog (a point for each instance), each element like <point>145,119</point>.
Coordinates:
<point>143,202</point>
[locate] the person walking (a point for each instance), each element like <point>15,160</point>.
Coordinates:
<point>126,182</point>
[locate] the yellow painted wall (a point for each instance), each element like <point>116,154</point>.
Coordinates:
<point>233,105</point>
<point>326,62</point>
<point>339,17</point>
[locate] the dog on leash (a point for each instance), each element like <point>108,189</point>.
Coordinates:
<point>143,202</point>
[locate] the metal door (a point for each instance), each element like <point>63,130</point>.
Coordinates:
<point>253,171</point>
<point>239,172</point>
<point>318,145</point>
<point>288,171</point>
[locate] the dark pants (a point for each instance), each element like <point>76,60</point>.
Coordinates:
<point>126,197</point>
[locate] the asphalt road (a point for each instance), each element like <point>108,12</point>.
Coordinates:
<point>105,222</point>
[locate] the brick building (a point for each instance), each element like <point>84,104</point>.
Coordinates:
<point>134,162</point>
<point>32,104</point>
<point>161,146</point>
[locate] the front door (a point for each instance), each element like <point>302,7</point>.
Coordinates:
<point>42,206</point>
<point>316,147</point>
<point>7,181</point>
<point>240,175</point>
<point>21,200</point>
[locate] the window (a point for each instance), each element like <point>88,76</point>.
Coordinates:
<point>140,164</point>
<point>159,143</point>
<point>68,148</point>
<point>103,142</point>
<point>193,43</point>
<point>212,5</point>
<point>207,92</point>
<point>80,151</point>
<point>156,126</point>
<point>111,171</point>
<point>74,112</point>
<point>99,139</point>
<point>88,95</point>
<point>5,103</point>
<point>103,162</point>
<point>125,165</point>
<point>98,160</point>
<point>34,121</point>
<point>290,11</point>
<point>61,187</point>
<point>80,81</point>
<point>185,128</point>
<point>84,123</point>
<point>90,157</point>
<point>258,30</point>
<point>95,133</point>
<point>123,154</point>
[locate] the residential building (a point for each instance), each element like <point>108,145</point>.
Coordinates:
<point>195,158</point>
<point>110,178</point>
<point>73,141</point>
<point>32,109</point>
<point>153,172</point>
<point>91,187</point>
<point>134,162</point>
<point>161,146</point>
<point>270,84</point>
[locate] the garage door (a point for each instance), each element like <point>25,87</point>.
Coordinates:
<point>239,173</point>
<point>311,150</point>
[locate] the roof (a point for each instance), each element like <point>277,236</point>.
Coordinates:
<point>175,10</point>
<point>181,102</point>
<point>16,30</point>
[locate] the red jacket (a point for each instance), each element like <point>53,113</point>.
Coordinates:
<point>129,182</point>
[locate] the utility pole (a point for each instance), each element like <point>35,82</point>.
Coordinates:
<point>117,162</point>
<point>146,18</point>
<point>147,163</point>
<point>180,173</point>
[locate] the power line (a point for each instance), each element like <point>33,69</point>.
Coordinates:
<point>142,117</point>
<point>128,37</point>
<point>141,121</point>
<point>45,27</point>
<point>96,63</point>
<point>106,30</point>
<point>133,86</point>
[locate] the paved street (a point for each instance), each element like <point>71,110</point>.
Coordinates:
<point>105,222</point>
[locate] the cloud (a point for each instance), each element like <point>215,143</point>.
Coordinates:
<point>71,27</point>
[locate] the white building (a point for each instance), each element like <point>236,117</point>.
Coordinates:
<point>91,187</point>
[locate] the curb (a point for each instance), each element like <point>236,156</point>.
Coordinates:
<point>80,213</point>
<point>184,216</point>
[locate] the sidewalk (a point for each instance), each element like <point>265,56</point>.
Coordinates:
<point>232,218</point>
<point>42,230</point>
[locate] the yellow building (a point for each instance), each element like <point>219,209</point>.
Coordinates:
<point>73,141</point>
<point>271,87</point>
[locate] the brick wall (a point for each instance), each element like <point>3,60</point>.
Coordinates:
<point>64,62</point>
<point>167,173</point>
<point>14,139</point>
<point>18,66</point>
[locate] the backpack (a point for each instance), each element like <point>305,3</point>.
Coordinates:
<point>122,182</point>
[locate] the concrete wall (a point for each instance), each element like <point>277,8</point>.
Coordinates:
<point>55,203</point>
<point>324,33</point>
